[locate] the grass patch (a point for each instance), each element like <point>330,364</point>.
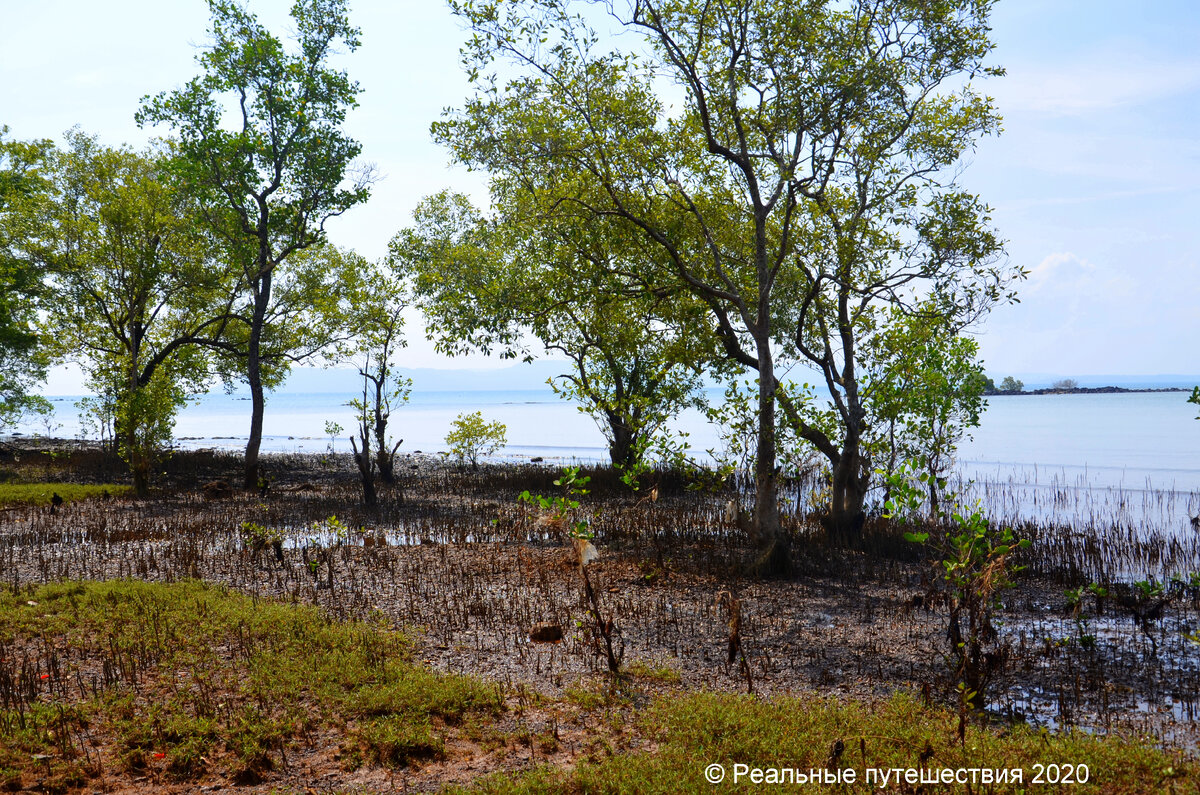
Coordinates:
<point>594,694</point>
<point>652,672</point>
<point>697,730</point>
<point>42,493</point>
<point>182,680</point>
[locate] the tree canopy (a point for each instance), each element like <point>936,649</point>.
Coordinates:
<point>136,292</point>
<point>794,163</point>
<point>491,284</point>
<point>271,179</point>
<point>23,185</point>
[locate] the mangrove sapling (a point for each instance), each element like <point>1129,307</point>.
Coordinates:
<point>471,437</point>
<point>973,565</point>
<point>384,389</point>
<point>333,430</point>
<point>1099,593</point>
<point>561,512</point>
<point>1084,635</point>
<point>257,538</point>
<point>327,536</point>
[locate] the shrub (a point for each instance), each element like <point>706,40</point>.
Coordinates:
<point>471,437</point>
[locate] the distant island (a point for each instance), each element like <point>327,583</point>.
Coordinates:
<point>1079,390</point>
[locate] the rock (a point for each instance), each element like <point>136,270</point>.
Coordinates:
<point>546,632</point>
<point>217,490</point>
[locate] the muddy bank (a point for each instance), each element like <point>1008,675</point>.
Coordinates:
<point>454,556</point>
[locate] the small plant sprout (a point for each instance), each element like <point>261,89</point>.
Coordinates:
<point>333,430</point>
<point>325,536</point>
<point>257,537</point>
<point>332,528</point>
<point>562,512</point>
<point>974,567</point>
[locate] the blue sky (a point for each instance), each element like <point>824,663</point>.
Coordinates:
<point>1095,182</point>
<point>1095,186</point>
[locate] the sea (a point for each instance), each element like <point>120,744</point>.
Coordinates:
<point>1108,450</point>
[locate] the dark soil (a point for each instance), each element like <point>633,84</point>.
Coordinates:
<point>454,556</point>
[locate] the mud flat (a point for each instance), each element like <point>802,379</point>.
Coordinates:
<point>467,573</point>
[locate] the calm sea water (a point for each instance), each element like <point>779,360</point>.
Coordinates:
<point>1108,447</point>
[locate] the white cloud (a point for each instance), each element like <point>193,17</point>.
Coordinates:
<point>1059,270</point>
<point>1108,315</point>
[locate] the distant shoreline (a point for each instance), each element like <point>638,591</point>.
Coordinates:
<point>1083,390</point>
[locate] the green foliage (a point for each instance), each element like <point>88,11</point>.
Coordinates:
<point>286,147</point>
<point>330,531</point>
<point>378,316</point>
<point>333,430</point>
<point>43,493</point>
<point>924,387</point>
<point>1010,384</point>
<point>257,537</point>
<point>668,451</point>
<point>1195,398</point>
<point>690,732</point>
<point>654,672</point>
<point>1149,589</point>
<point>485,283</point>
<point>23,186</point>
<point>974,567</point>
<point>561,510</point>
<point>738,427</point>
<point>396,741</point>
<point>272,178</point>
<point>471,436</point>
<point>801,182</point>
<point>562,513</point>
<point>312,313</point>
<point>137,296</point>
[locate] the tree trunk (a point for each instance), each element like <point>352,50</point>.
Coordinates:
<point>385,459</point>
<point>139,466</point>
<point>774,547</point>
<point>387,470</point>
<point>845,521</point>
<point>621,450</point>
<point>366,472</point>
<point>254,378</point>
<point>141,478</point>
<point>125,432</point>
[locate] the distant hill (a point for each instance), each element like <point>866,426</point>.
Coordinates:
<point>427,379</point>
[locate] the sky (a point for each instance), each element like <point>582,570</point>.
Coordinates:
<point>1094,183</point>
